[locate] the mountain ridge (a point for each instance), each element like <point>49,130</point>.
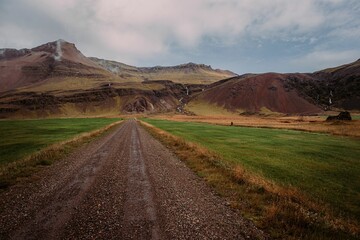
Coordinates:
<point>202,73</point>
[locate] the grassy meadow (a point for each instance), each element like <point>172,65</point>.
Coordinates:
<point>20,138</point>
<point>324,167</point>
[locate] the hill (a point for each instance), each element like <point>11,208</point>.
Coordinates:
<point>255,93</point>
<point>294,93</point>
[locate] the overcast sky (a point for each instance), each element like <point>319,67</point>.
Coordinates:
<point>239,35</point>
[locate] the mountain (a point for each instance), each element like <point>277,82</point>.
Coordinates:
<point>56,80</point>
<point>26,67</point>
<point>189,73</point>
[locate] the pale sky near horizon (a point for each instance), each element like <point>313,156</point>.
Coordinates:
<point>239,35</point>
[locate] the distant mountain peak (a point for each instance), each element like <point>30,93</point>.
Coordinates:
<point>54,47</point>
<point>51,46</point>
<point>195,65</point>
<point>57,48</point>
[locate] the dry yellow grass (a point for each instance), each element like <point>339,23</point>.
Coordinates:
<point>178,76</point>
<point>69,85</point>
<point>303,123</point>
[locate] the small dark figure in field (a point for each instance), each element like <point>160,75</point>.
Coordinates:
<point>231,124</point>
<point>342,116</point>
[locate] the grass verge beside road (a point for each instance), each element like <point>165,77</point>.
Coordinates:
<point>26,145</point>
<point>293,184</point>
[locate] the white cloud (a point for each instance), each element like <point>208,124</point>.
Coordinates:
<point>130,30</point>
<point>321,59</point>
<point>13,36</point>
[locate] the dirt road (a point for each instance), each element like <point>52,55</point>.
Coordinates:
<point>125,185</point>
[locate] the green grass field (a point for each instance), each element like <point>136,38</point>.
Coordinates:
<point>324,167</point>
<point>20,138</point>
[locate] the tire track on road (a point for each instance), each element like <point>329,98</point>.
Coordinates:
<point>140,211</point>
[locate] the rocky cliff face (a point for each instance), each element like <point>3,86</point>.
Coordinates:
<point>337,87</point>
<point>105,99</point>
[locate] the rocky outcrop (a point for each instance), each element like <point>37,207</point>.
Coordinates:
<point>10,53</point>
<point>343,116</point>
<point>139,105</point>
<point>184,67</point>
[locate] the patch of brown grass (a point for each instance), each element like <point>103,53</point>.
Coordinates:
<point>302,123</point>
<point>282,212</point>
<point>23,169</point>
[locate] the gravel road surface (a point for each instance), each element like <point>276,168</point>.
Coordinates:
<point>125,185</point>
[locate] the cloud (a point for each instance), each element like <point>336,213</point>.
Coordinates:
<point>324,59</point>
<point>131,30</point>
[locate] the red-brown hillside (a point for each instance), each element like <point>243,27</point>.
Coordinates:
<point>254,92</point>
